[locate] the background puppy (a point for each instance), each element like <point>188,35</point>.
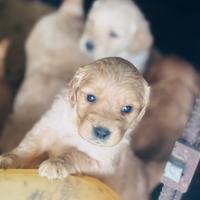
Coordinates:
<point>53,56</point>
<point>87,130</point>
<point>174,87</point>
<point>5,93</point>
<point>117,28</point>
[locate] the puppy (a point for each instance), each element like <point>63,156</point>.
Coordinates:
<point>174,87</point>
<point>87,130</point>
<point>117,28</point>
<point>5,93</point>
<point>53,56</point>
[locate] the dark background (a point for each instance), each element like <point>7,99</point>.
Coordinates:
<point>175,25</point>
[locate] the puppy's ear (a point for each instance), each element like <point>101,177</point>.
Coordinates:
<point>144,103</point>
<point>142,40</point>
<point>75,83</point>
<point>74,86</point>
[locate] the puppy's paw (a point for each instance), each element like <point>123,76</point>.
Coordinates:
<point>9,161</point>
<point>53,168</point>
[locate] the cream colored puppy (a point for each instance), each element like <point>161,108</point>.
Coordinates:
<point>87,130</point>
<point>117,28</point>
<point>53,57</point>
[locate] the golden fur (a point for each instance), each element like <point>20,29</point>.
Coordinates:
<point>174,87</point>
<point>65,131</point>
<point>53,57</point>
<point>117,28</point>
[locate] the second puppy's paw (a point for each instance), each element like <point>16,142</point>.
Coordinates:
<point>53,168</point>
<point>9,161</point>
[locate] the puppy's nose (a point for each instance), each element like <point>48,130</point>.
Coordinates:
<point>101,133</point>
<point>89,46</point>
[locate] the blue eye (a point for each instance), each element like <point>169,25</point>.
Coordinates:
<point>91,98</point>
<point>127,109</point>
<point>113,34</point>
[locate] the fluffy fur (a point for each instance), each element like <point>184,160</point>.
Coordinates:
<point>117,28</point>
<point>174,87</point>
<point>66,130</point>
<point>53,56</point>
<point>5,93</point>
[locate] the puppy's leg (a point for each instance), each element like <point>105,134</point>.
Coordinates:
<point>74,162</point>
<point>33,145</point>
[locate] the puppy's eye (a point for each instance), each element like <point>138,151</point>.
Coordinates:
<point>113,34</point>
<point>127,109</point>
<point>91,98</point>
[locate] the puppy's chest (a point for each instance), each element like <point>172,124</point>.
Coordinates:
<point>60,146</point>
<point>63,142</point>
<point>73,142</point>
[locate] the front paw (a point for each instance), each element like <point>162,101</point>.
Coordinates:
<point>53,168</point>
<point>9,161</point>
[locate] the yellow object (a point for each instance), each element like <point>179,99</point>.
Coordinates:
<point>23,184</point>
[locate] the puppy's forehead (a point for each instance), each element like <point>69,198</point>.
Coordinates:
<point>109,9</point>
<point>113,68</point>
<point>114,77</point>
<point>106,15</point>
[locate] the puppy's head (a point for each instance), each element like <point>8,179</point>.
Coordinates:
<point>110,96</point>
<point>115,28</point>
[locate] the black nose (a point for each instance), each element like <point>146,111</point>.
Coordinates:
<point>89,46</point>
<point>101,133</point>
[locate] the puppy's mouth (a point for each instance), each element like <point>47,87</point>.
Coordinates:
<point>99,136</point>
<point>98,142</point>
<point>95,141</point>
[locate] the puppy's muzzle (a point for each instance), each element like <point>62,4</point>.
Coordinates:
<point>101,133</point>
<point>89,46</point>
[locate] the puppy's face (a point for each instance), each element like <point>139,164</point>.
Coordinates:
<point>115,28</point>
<point>110,97</point>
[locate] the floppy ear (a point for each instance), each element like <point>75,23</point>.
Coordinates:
<point>142,40</point>
<point>74,86</point>
<point>144,103</point>
<point>75,83</point>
